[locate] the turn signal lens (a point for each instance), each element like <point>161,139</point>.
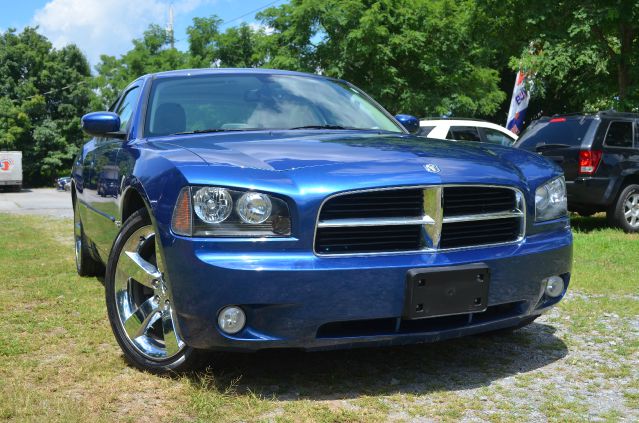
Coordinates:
<point>589,161</point>
<point>182,223</point>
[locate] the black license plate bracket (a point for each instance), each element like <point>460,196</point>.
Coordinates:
<point>444,291</point>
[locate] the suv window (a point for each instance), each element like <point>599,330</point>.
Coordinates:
<point>619,135</point>
<point>126,106</point>
<point>496,137</point>
<point>569,132</point>
<point>463,133</point>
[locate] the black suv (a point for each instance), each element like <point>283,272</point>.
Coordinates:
<point>600,157</point>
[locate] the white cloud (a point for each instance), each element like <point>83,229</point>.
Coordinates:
<point>104,27</point>
<point>256,26</point>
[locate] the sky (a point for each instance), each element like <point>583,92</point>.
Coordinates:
<point>108,26</point>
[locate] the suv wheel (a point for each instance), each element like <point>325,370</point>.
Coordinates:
<point>625,212</point>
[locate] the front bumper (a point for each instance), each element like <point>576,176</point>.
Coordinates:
<point>298,300</point>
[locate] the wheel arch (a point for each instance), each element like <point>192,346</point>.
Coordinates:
<point>132,201</point>
<point>623,182</point>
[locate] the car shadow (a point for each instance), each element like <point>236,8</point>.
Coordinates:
<point>11,191</point>
<point>459,364</point>
<point>589,224</point>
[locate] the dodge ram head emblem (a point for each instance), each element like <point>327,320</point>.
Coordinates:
<point>432,168</point>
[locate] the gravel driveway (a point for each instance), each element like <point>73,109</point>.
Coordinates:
<point>40,201</point>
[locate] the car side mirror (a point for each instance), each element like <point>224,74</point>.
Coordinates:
<point>102,124</point>
<point>411,123</point>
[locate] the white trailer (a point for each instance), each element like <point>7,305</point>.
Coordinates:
<point>11,170</point>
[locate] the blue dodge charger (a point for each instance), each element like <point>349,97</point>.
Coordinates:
<point>257,209</point>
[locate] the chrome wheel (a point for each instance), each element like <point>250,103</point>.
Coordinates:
<point>142,300</point>
<point>631,209</point>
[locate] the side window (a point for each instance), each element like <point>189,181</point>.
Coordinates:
<point>126,106</point>
<point>619,135</point>
<point>496,137</point>
<point>463,133</point>
<point>425,130</point>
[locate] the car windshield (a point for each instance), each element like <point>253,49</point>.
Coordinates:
<point>232,102</point>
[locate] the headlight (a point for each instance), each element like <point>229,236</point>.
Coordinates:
<point>254,207</point>
<point>209,211</point>
<point>213,205</point>
<point>550,200</point>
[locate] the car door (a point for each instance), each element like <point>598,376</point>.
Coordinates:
<point>619,154</point>
<point>102,194</point>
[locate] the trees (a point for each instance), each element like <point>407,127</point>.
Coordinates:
<point>417,57</point>
<point>150,53</point>
<point>584,54</point>
<point>43,93</point>
<point>424,57</point>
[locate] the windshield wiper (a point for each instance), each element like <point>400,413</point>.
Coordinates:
<point>210,130</point>
<point>321,127</point>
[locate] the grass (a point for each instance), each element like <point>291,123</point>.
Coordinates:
<point>60,362</point>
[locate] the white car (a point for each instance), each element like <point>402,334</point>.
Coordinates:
<point>466,130</point>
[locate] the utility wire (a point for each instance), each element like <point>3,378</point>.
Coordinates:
<point>249,13</point>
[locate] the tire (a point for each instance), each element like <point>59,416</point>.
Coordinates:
<point>85,263</point>
<point>139,303</point>
<point>624,213</point>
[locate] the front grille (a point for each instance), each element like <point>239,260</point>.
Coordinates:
<point>390,326</point>
<point>419,219</point>
<point>466,200</point>
<point>368,239</point>
<point>391,203</point>
<point>461,234</point>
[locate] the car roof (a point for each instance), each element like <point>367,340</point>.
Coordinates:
<point>599,114</point>
<point>236,71</point>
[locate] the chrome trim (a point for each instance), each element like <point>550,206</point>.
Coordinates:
<point>376,221</point>
<point>433,236</point>
<point>433,198</point>
<point>483,216</point>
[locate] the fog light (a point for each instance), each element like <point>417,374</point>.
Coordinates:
<point>554,286</point>
<point>231,319</point>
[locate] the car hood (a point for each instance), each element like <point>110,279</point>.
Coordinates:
<point>399,159</point>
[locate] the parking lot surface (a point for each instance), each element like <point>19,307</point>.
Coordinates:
<point>40,201</point>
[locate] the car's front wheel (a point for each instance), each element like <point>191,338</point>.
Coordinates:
<point>625,212</point>
<point>139,303</point>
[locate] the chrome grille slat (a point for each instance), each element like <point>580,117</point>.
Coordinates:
<point>338,223</point>
<point>419,219</point>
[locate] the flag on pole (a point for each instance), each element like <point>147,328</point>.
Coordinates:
<point>518,104</point>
